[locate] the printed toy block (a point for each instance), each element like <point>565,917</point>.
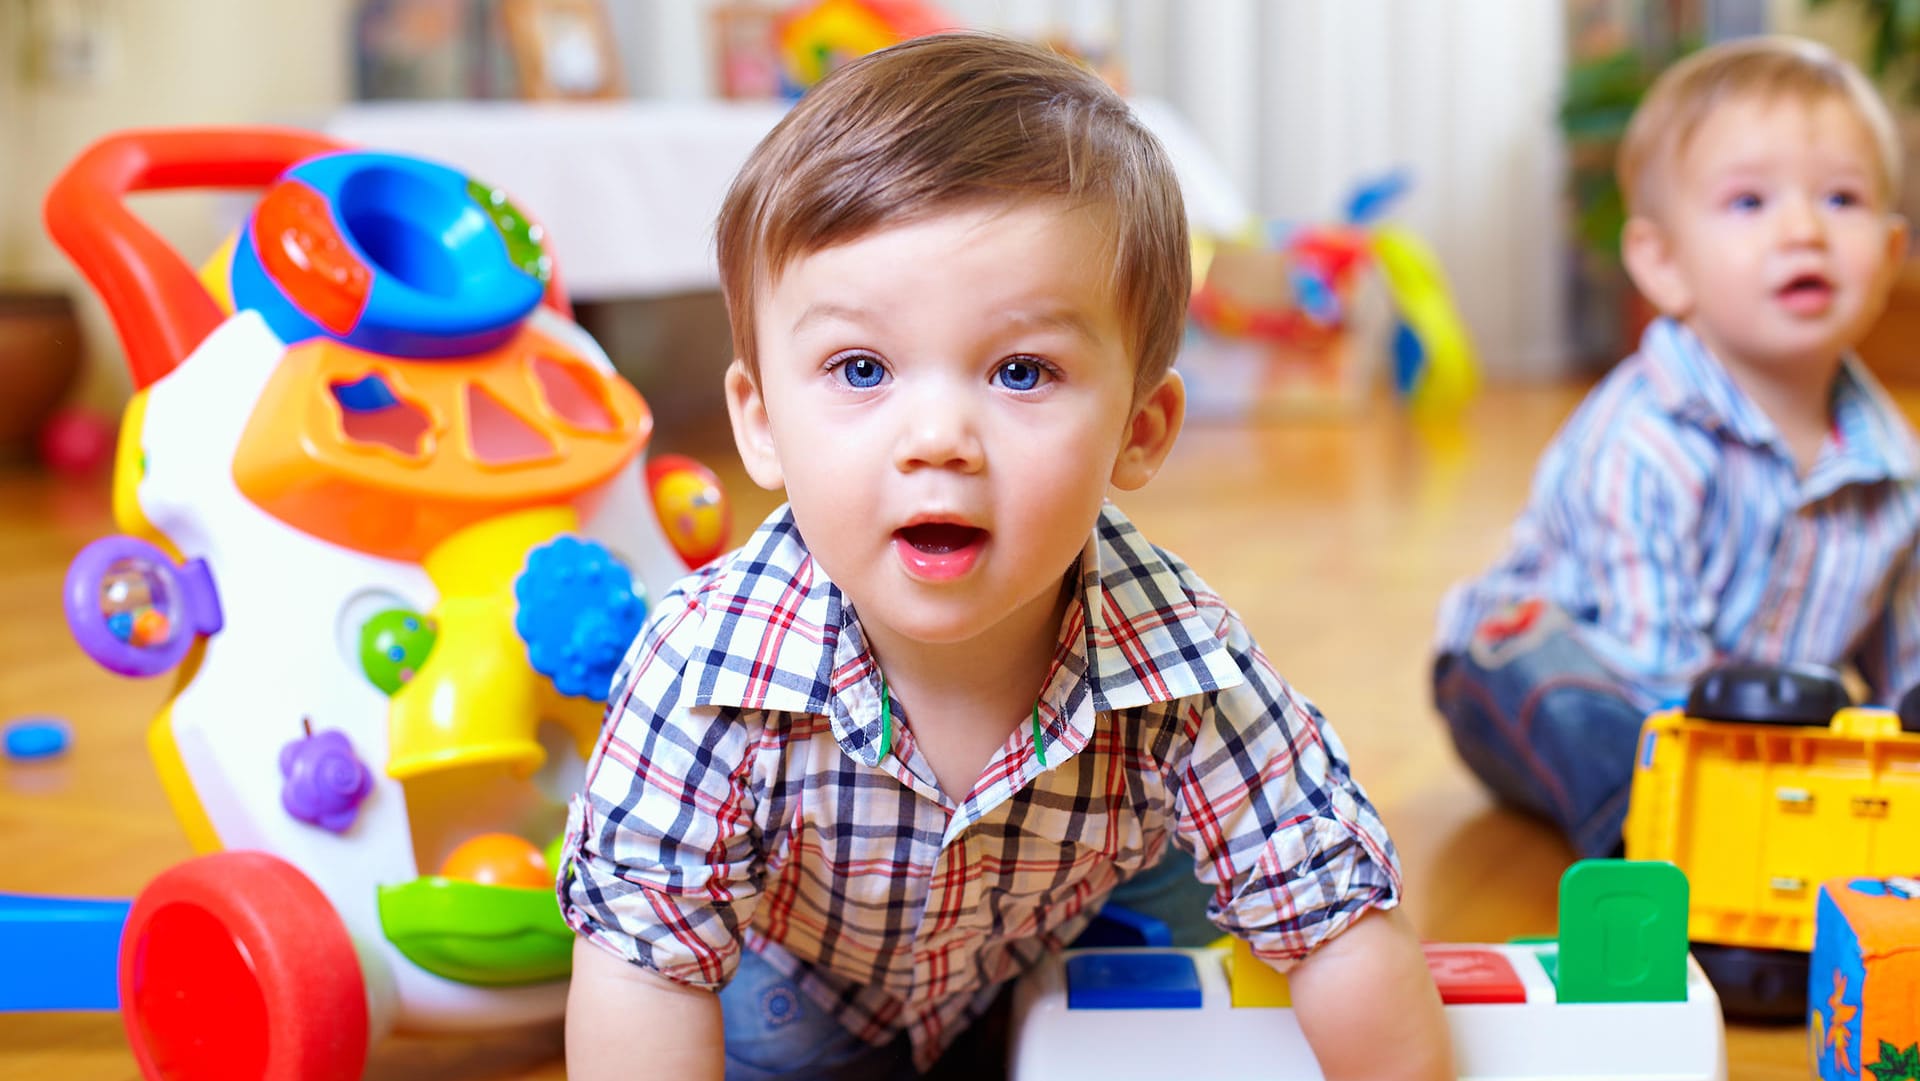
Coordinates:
<point>1864,984</point>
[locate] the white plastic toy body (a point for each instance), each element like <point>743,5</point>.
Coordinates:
<point>282,661</point>
<point>1538,1040</point>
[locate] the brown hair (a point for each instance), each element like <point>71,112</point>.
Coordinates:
<point>940,122</point>
<point>1766,68</point>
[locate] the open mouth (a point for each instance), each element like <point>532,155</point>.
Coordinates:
<point>939,550</point>
<point>1806,294</point>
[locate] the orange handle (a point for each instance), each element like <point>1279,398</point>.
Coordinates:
<point>157,304</point>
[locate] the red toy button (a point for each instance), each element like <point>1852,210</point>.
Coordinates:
<point>1474,975</point>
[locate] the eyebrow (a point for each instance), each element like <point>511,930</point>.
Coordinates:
<point>821,313</point>
<point>1048,318</point>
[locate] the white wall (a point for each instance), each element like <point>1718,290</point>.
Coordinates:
<point>162,62</point>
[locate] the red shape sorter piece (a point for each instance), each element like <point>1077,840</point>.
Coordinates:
<point>1473,975</point>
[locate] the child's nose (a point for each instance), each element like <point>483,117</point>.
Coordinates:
<point>1800,222</point>
<point>939,433</point>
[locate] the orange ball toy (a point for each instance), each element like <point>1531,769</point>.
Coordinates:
<point>499,859</point>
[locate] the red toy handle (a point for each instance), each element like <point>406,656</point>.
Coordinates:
<point>157,303</point>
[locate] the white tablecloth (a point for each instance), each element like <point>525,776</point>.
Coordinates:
<point>628,190</point>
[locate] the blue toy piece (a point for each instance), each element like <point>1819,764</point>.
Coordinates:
<point>37,737</point>
<point>579,611</point>
<point>452,284</point>
<point>1371,199</point>
<point>59,953</point>
<point>1132,981</point>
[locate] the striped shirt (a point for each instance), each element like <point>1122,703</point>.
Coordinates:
<point>740,795</point>
<point>1670,521</point>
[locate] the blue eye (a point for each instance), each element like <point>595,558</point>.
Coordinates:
<point>1019,374</point>
<point>862,372</point>
<point>1746,200</point>
<point>1841,200</point>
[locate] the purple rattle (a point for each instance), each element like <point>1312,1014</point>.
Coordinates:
<point>134,610</point>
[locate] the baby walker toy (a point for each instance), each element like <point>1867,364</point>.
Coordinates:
<point>386,517</point>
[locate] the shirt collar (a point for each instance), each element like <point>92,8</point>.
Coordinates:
<point>1690,383</point>
<point>1871,441</point>
<point>780,636</point>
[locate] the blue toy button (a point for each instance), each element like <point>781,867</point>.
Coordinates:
<point>1132,981</point>
<point>37,737</point>
<point>579,611</point>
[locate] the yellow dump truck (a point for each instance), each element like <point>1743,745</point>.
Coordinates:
<point>1766,784</point>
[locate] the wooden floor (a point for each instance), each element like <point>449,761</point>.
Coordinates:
<point>1334,539</point>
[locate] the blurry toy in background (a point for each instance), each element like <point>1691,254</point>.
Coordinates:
<point>30,739</point>
<point>76,442</point>
<point>1863,994</point>
<point>387,511</point>
<point>819,36</point>
<point>1303,318</point>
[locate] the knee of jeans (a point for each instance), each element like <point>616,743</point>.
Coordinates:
<point>771,1025</point>
<point>1554,653</point>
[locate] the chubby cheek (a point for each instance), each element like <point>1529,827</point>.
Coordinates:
<point>1061,489</point>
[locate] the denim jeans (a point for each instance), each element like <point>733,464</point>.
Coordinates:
<point>774,1032</point>
<point>1545,726</point>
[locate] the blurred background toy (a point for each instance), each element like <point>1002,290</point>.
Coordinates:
<point>76,442</point>
<point>32,738</point>
<point>386,514</point>
<point>1301,317</point>
<point>818,37</point>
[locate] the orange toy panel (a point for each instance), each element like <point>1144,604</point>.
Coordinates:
<point>390,456</point>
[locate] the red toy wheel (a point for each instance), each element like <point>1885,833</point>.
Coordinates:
<point>235,967</point>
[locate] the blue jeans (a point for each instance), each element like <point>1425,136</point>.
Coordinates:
<point>774,1032</point>
<point>1546,727</point>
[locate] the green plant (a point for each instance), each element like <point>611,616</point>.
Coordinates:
<point>1893,39</point>
<point>1601,94</point>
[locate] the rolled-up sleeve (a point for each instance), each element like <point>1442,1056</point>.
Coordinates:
<point>1276,822</point>
<point>661,863</point>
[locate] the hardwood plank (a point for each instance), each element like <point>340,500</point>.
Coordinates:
<point>1335,539</point>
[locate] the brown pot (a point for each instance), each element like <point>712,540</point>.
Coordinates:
<point>40,358</point>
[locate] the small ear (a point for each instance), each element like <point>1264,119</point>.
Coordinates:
<point>752,431</point>
<point>1651,262</point>
<point>1899,236</point>
<point>1151,430</point>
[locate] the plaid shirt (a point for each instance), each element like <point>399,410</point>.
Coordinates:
<point>1669,518</point>
<point>739,798</point>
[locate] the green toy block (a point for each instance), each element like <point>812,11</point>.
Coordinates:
<point>1623,932</point>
